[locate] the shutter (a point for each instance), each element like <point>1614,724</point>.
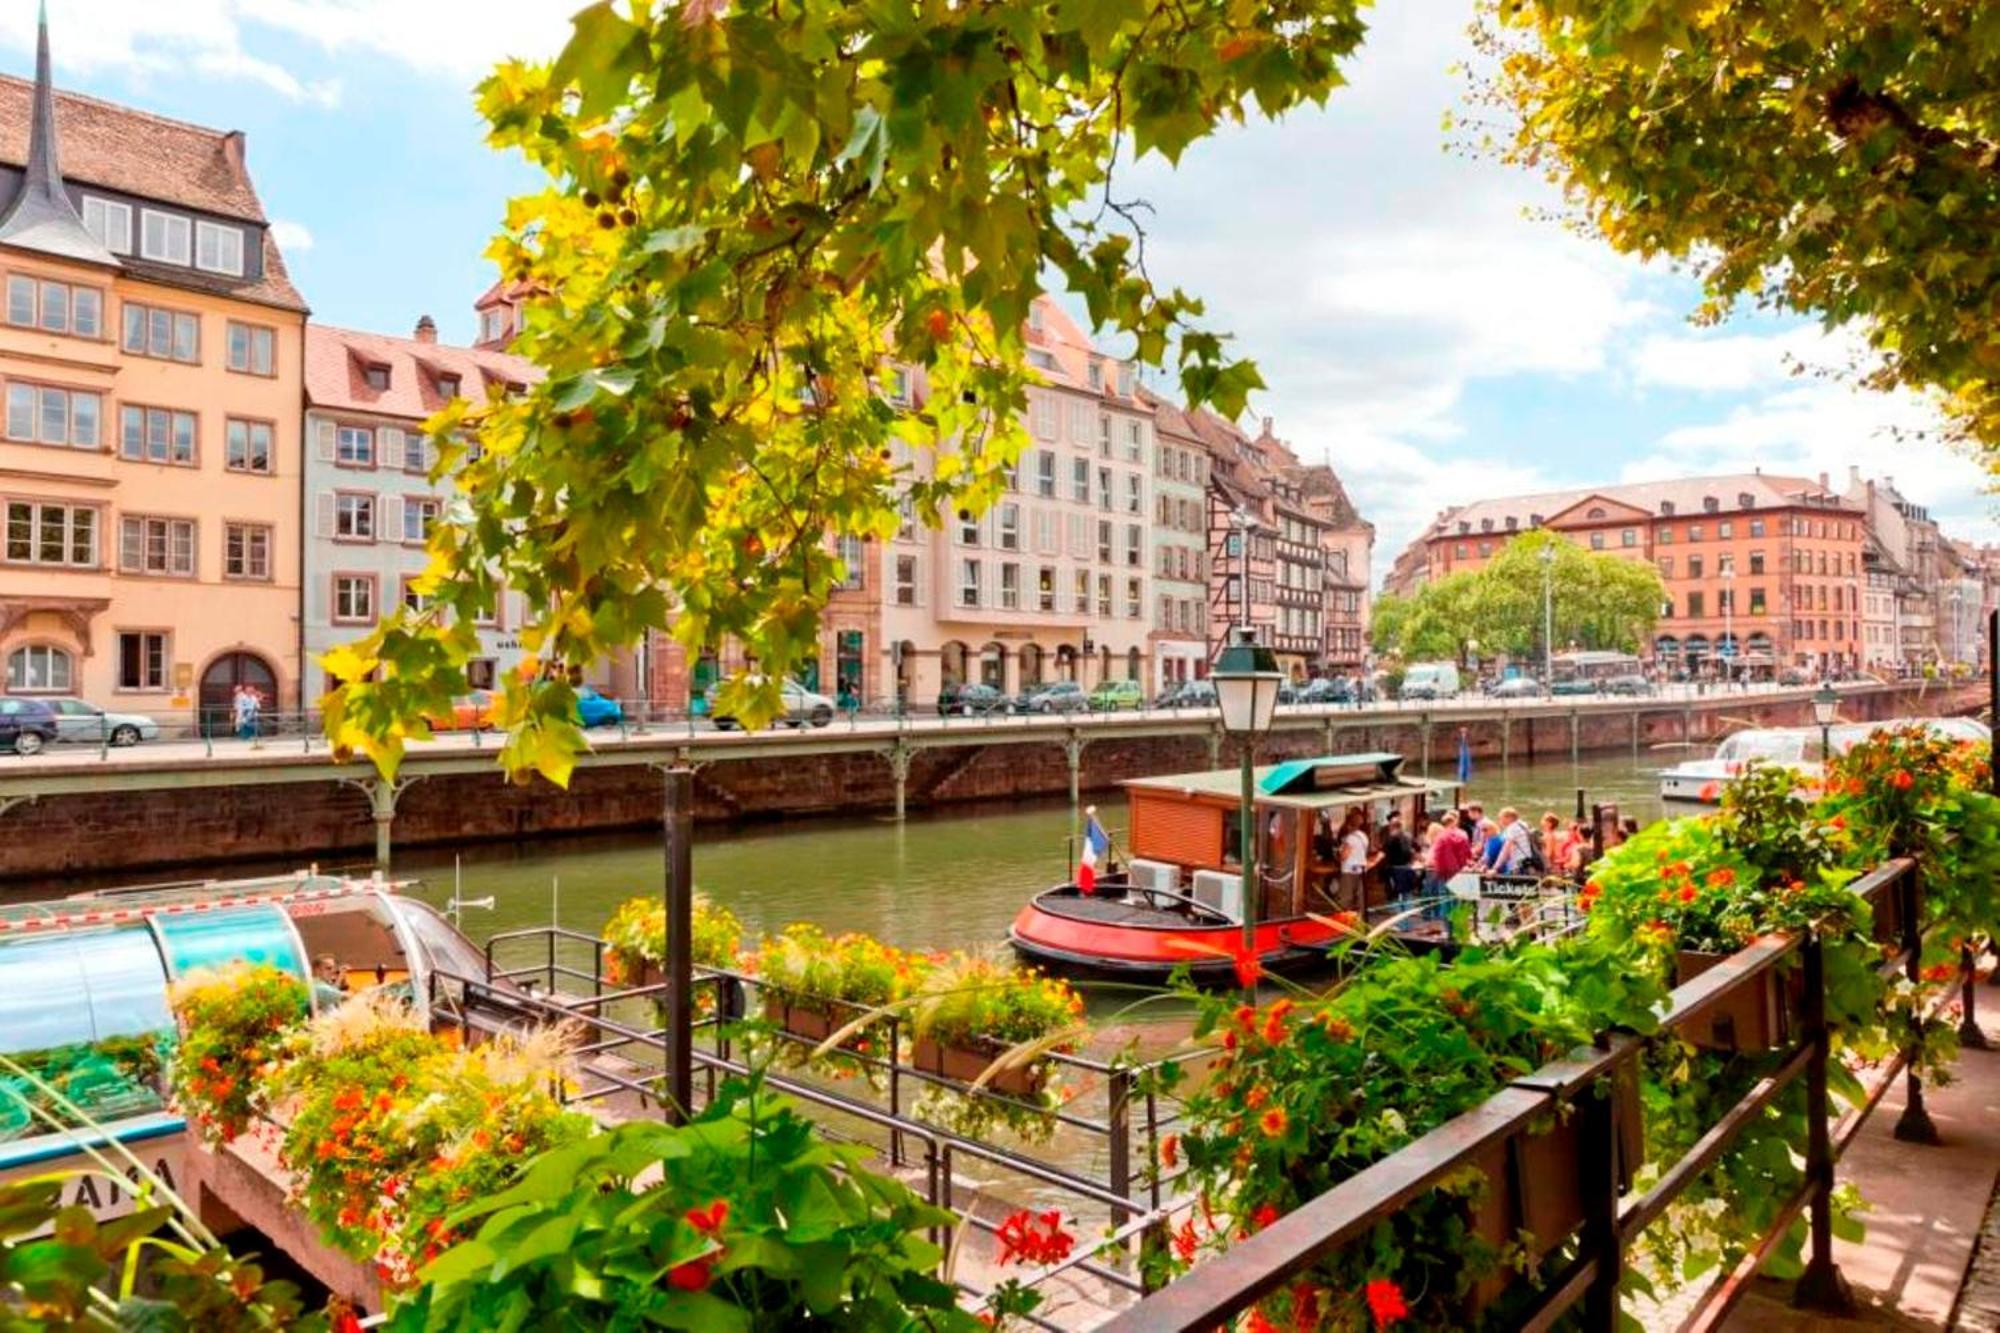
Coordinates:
<point>391,441</point>
<point>324,516</point>
<point>430,455</point>
<point>392,519</point>
<point>325,432</point>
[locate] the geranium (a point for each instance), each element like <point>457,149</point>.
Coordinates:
<point>1029,1238</point>
<point>234,1021</point>
<point>1385,1302</point>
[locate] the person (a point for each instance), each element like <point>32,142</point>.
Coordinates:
<point>1489,845</point>
<point>1399,860</point>
<point>1356,860</point>
<point>246,705</point>
<point>1549,844</point>
<point>1573,846</point>
<point>328,984</point>
<point>1516,852</point>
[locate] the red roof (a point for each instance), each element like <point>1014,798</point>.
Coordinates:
<point>337,362</point>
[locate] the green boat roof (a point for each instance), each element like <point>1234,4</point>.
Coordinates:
<point>1329,780</point>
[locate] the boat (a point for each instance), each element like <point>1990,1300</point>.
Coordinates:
<point>83,1000</point>
<point>1178,899</point>
<point>1798,748</point>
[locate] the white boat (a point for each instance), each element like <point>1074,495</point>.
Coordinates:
<point>1703,779</point>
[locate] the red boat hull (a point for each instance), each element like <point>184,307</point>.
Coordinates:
<point>1062,943</point>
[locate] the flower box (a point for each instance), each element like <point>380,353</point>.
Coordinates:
<point>967,1063</point>
<point>1535,1182</point>
<point>808,1024</point>
<point>1753,1015</point>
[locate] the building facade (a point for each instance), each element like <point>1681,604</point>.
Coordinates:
<point>151,358</point>
<point>1349,541</point>
<point>1180,535</point>
<point>370,499</point>
<point>1763,571</point>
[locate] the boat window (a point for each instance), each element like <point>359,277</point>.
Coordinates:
<point>443,946</point>
<point>359,934</point>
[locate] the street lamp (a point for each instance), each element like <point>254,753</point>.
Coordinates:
<point>1548,558</point>
<point>1826,707</point>
<point>1728,573</point>
<point>1246,680</point>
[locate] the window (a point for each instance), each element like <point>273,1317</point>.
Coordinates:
<point>1010,587</point>
<point>1135,601</point>
<point>1756,601</point>
<point>968,583</point>
<point>1082,592</point>
<point>142,660</point>
<point>1104,541</point>
<point>1135,440</point>
<point>1694,604</point>
<point>1665,536</point>
<point>1047,415</point>
<point>377,376</point>
<point>1104,597</point>
<point>39,668</point>
<point>1756,562</point>
<point>246,551</point>
<point>906,580</point>
<point>354,446</point>
<point>1104,434</point>
<point>1666,563</point>
<point>156,546</point>
<point>412,599</point>
<point>1694,532</point>
<point>1079,480</point>
<point>851,550</point>
<point>1725,600</point>
<point>164,237</point>
<point>1725,565</point>
<point>1135,494</point>
<point>51,534</point>
<point>253,351</point>
<point>1010,527</point>
<point>1629,537</point>
<point>1104,496</point>
<point>158,435</point>
<point>54,307</point>
<point>492,325</point>
<point>171,335</point>
<point>1756,527</point>
<point>44,414</point>
<point>249,446</point>
<point>1725,530</point>
<point>420,515</point>
<point>109,222</point>
<point>481,673</point>
<point>1596,541</point>
<point>968,528</point>
<point>1135,544</point>
<point>354,517</point>
<point>354,598</point>
<point>218,249</point>
<point>1694,566</point>
<point>1045,587</point>
<point>1045,474</point>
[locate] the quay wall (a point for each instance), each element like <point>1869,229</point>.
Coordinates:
<point>119,831</point>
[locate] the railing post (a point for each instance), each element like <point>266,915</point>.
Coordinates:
<point>1915,1125</point>
<point>895,1089</point>
<point>1118,1132</point>
<point>1970,1034</point>
<point>1598,1131</point>
<point>1820,1287</point>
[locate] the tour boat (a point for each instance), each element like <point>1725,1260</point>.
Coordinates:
<point>1703,779</point>
<point>1178,899</point>
<point>83,999</point>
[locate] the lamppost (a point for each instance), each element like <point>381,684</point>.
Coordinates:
<point>1826,707</point>
<point>1728,573</point>
<point>1548,558</point>
<point>1246,680</point>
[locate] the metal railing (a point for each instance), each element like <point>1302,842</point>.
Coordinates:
<point>565,982</point>
<point>1217,1290</point>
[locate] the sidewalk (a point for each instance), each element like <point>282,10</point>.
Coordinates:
<point>1926,1208</point>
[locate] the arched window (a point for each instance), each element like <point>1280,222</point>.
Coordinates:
<point>39,668</point>
<point>1596,511</point>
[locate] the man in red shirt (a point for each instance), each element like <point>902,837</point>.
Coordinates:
<point>1451,851</point>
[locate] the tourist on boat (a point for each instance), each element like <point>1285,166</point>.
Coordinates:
<point>1489,845</point>
<point>329,982</point>
<point>1549,843</point>
<point>1399,861</point>
<point>1356,859</point>
<point>1516,854</point>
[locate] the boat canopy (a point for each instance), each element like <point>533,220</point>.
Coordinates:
<point>1327,782</point>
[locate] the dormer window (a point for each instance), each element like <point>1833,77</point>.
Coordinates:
<point>1534,520</point>
<point>1464,526</point>
<point>1035,317</point>
<point>1512,522</point>
<point>1096,373</point>
<point>109,222</point>
<point>1745,500</point>
<point>448,386</point>
<point>377,376</point>
<point>1040,359</point>
<point>218,249</point>
<point>492,324</point>
<point>1710,505</point>
<point>1486,525</point>
<point>165,237</point>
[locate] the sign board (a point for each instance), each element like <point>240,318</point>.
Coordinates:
<point>183,676</point>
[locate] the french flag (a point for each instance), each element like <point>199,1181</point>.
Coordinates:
<point>1096,846</point>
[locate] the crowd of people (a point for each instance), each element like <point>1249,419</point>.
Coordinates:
<point>1421,861</point>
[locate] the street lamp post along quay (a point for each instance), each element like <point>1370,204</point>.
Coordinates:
<point>1246,680</point>
<point>1826,707</point>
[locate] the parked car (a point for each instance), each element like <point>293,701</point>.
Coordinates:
<point>1793,675</point>
<point>1326,690</point>
<point>1113,695</point>
<point>801,707</point>
<point>469,712</point>
<point>1574,685</point>
<point>86,723</point>
<point>971,698</point>
<point>1196,694</point>
<point>1430,680</point>
<point>1520,687</point>
<point>1170,696</point>
<point>597,710</point>
<point>1056,696</point>
<point>1633,685</point>
<point>26,725</point>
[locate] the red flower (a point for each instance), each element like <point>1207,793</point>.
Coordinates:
<point>1186,1242</point>
<point>1721,877</point>
<point>694,1275</point>
<point>1687,893</point>
<point>1901,780</point>
<point>1274,1029</point>
<point>1026,1238</point>
<point>1708,792</point>
<point>1305,1306</point>
<point>1272,1122</point>
<point>1259,1324</point>
<point>1170,1150</point>
<point>709,1221</point>
<point>1246,1017</point>
<point>1385,1302</point>
<point>1263,1217</point>
<point>1249,968</point>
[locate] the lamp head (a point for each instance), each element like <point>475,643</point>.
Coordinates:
<point>1826,704</point>
<point>1246,678</point>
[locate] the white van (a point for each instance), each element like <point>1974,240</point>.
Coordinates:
<point>1430,680</point>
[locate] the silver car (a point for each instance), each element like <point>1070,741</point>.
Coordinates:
<point>802,707</point>
<point>87,724</point>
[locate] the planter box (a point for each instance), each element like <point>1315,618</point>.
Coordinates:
<point>1754,1015</point>
<point>966,1064</point>
<point>1535,1182</point>
<point>809,1024</point>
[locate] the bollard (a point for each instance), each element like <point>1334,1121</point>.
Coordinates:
<point>1970,1034</point>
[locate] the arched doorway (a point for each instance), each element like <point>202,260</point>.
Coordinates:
<point>993,666</point>
<point>1066,663</point>
<point>1103,664</point>
<point>218,688</point>
<point>1031,665</point>
<point>1133,664</point>
<point>951,663</point>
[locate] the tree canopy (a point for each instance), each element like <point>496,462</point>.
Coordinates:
<point>1601,601</point>
<point>1839,158</point>
<point>754,216</point>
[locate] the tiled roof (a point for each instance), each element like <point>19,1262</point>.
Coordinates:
<point>134,152</point>
<point>1062,338</point>
<point>337,362</point>
<point>1686,494</point>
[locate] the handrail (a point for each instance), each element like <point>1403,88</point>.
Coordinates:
<point>1223,1287</point>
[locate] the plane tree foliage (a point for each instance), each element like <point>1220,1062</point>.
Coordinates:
<point>755,216</point>
<point>1601,601</point>
<point>1836,158</point>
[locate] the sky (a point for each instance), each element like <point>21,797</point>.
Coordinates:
<point>1419,326</point>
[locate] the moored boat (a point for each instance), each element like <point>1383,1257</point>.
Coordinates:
<point>1703,779</point>
<point>1178,900</point>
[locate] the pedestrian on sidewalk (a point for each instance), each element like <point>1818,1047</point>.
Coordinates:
<point>247,706</point>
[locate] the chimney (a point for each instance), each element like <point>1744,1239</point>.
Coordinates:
<point>1853,474</point>
<point>1267,428</point>
<point>1822,481</point>
<point>427,329</point>
<point>232,148</point>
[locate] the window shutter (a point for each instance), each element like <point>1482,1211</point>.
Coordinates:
<point>326,434</point>
<point>430,455</point>
<point>323,518</point>
<point>391,448</point>
<point>392,519</point>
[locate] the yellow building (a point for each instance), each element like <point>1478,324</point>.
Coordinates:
<point>151,381</point>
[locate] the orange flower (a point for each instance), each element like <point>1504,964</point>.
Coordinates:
<point>1263,1217</point>
<point>1272,1122</point>
<point>1337,1028</point>
<point>1721,877</point>
<point>1246,1017</point>
<point>1170,1150</point>
<point>1256,1097</point>
<point>1901,780</point>
<point>1687,893</point>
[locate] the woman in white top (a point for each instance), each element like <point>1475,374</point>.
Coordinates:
<point>1356,860</point>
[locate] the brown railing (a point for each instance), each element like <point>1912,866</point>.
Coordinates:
<point>1607,1138</point>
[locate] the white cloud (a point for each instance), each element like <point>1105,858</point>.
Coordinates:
<point>292,237</point>
<point>1720,362</point>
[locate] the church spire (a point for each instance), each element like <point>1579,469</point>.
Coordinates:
<point>41,216</point>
